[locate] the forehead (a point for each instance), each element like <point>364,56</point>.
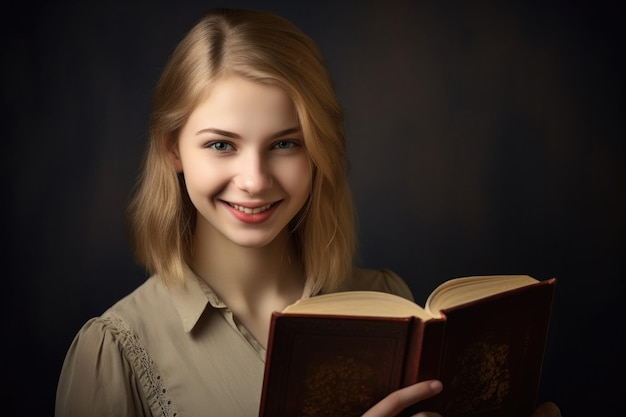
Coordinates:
<point>236,100</point>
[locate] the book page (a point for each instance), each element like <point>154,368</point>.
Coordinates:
<point>463,290</point>
<point>359,303</point>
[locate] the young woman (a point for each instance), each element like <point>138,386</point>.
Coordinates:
<point>243,207</point>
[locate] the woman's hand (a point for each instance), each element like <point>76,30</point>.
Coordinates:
<point>398,400</point>
<point>547,409</point>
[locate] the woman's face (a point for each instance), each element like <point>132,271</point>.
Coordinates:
<point>244,162</point>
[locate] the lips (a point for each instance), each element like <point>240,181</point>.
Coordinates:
<point>252,215</point>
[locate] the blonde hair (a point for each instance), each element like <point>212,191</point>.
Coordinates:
<point>266,48</point>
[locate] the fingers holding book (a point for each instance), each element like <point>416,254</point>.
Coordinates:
<point>398,400</point>
<point>547,409</point>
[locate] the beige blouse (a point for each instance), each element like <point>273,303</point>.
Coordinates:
<point>173,353</point>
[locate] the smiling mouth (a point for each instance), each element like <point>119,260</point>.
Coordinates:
<point>248,210</point>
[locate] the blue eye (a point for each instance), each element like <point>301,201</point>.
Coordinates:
<point>285,144</point>
<point>220,146</point>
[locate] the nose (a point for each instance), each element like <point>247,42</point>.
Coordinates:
<point>253,174</point>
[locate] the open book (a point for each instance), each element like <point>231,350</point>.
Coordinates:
<point>338,354</point>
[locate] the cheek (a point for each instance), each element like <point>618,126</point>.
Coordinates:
<point>203,177</point>
<point>297,178</point>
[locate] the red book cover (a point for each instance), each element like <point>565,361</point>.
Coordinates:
<point>339,363</point>
<point>492,354</point>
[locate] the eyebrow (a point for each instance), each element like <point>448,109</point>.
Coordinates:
<point>236,136</point>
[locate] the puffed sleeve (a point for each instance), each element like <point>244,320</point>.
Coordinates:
<point>96,378</point>
<point>384,280</point>
<point>391,282</point>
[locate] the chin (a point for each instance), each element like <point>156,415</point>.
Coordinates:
<point>255,242</point>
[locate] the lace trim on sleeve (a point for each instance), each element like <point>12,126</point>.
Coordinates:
<point>139,358</point>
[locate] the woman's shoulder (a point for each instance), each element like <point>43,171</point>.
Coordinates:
<point>121,328</point>
<point>382,279</point>
<point>107,366</point>
<point>146,297</point>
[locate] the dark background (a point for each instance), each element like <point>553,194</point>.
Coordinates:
<point>485,137</point>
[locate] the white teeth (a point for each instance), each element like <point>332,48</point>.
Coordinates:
<point>248,210</point>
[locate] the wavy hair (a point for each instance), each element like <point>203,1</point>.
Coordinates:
<point>265,48</point>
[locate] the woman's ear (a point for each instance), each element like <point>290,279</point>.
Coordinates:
<point>174,156</point>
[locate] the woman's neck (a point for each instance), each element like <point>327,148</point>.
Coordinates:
<point>249,276</point>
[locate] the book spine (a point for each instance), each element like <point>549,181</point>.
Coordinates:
<point>432,348</point>
<point>268,359</point>
<point>424,359</point>
<point>423,351</point>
